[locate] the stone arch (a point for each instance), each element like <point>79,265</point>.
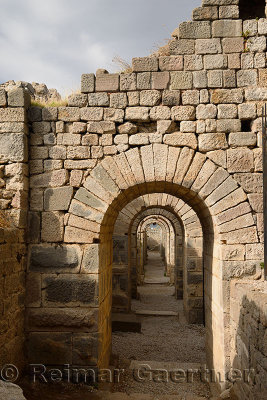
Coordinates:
<point>207,188</point>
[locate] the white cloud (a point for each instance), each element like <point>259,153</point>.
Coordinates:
<point>55,41</point>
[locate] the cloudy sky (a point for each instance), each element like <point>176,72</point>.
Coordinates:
<point>55,41</point>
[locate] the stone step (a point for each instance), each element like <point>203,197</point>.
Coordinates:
<point>125,323</point>
<point>157,313</point>
<point>168,365</point>
<point>140,396</point>
<point>153,281</point>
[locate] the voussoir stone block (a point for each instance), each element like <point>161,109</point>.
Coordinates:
<point>145,64</point>
<point>48,258</point>
<point>57,199</point>
<point>226,28</point>
<point>195,30</point>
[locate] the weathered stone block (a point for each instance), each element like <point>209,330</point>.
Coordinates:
<point>49,114</point>
<point>133,98</point>
<point>262,78</point>
<point>77,100</point>
<point>190,97</point>
<point>262,26</point>
<point>87,83</point>
<point>227,96</point>
<point>215,79</point>
<point>247,78</point>
<point>150,97</point>
<point>49,179</point>
<point>13,147</point>
<point>127,128</point>
<point>257,44</point>
<point>69,114</point>
<point>160,80</point>
<point>47,259</point>
<point>171,63</point>
<point>19,98</point>
<point>255,251</point>
<point>12,114</point>
<point>250,182</point>
<point>229,12</point>
<point>52,349</point>
<point>183,113</point>
<point>98,99</point>
<point>171,97</point>
<point>92,113</point>
<point>208,46</point>
<point>226,28</point>
<point>57,199</point>
<point>215,61</point>
<point>188,126</point>
<point>233,252</point>
<point>228,125</point>
<point>52,227</point>
<point>70,290</point>
<point>227,111</point>
<point>160,112</point>
<point>127,81</point>
<point>204,111</point>
<point>181,80</point>
<point>240,160</point>
<point>101,127</point>
<point>205,13</point>
<point>58,318</point>
<point>182,46</point>
<point>3,99</point>
<point>233,45</point>
<point>139,139</point>
<point>113,114</point>
<point>212,141</point>
<point>256,202</point>
<point>181,139</point>
<point>193,62</point>
<point>85,349</point>
<point>144,80</point>
<point>242,139</point>
<point>145,64</point>
<point>200,79</point>
<point>107,82</point>
<point>137,114</point>
<point>90,262</point>
<point>118,100</point>
<point>229,78</point>
<point>195,30</point>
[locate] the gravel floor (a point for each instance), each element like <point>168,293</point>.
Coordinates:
<point>162,339</point>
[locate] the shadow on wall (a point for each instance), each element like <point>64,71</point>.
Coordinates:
<point>250,351</point>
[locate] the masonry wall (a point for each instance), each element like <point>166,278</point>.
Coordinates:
<point>187,122</point>
<point>13,225</point>
<point>249,338</point>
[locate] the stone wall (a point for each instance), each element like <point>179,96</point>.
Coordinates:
<point>249,338</point>
<point>185,126</point>
<point>13,224</point>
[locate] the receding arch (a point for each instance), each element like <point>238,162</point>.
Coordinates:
<point>183,173</point>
